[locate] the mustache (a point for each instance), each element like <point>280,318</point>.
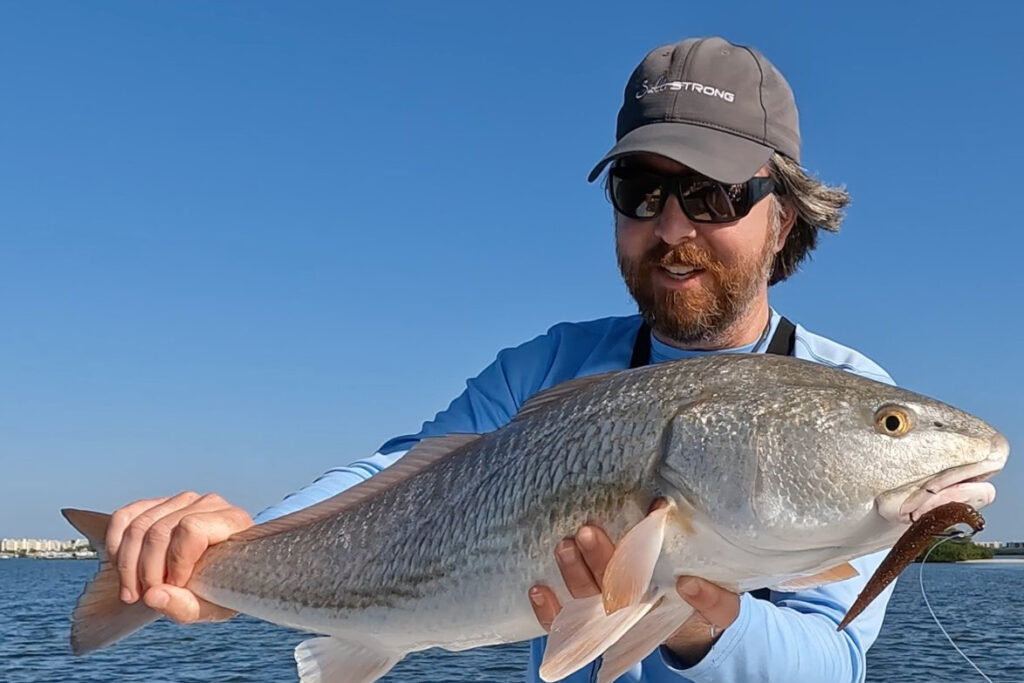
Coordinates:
<point>689,255</point>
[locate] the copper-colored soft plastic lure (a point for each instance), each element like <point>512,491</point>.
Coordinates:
<point>909,546</point>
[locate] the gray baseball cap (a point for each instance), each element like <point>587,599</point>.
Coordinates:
<point>718,108</point>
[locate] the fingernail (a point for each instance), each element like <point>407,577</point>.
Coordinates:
<point>689,587</point>
<point>126,595</point>
<point>586,537</point>
<point>567,553</point>
<point>537,598</point>
<point>159,599</point>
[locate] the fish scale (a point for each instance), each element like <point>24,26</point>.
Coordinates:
<point>444,521</point>
<point>774,470</point>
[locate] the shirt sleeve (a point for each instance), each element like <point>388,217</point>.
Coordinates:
<point>489,400</point>
<point>330,483</point>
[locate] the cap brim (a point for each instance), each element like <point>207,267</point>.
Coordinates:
<point>714,153</point>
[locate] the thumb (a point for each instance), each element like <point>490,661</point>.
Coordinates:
<point>182,605</point>
<point>716,604</point>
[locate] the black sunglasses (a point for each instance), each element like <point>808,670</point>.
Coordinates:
<point>640,194</point>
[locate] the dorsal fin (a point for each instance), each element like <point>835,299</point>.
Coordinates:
<point>425,454</point>
<point>545,398</point>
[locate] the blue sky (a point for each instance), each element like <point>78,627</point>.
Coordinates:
<point>243,242</point>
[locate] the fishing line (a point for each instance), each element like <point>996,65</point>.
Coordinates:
<point>920,578</point>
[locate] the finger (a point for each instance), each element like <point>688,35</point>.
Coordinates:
<point>153,556</point>
<point>120,520</point>
<point>183,606</point>
<point>131,542</point>
<point>597,549</point>
<point>575,572</point>
<point>545,605</point>
<point>195,533</point>
<point>717,605</point>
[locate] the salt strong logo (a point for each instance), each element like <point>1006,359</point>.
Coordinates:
<point>662,85</point>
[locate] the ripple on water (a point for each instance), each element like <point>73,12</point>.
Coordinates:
<point>979,605</point>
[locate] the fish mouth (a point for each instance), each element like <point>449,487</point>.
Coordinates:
<point>962,484</point>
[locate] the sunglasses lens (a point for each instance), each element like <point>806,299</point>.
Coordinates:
<point>641,194</point>
<point>709,201</point>
<point>637,195</point>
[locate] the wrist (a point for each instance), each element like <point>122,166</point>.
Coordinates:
<point>691,643</point>
<point>721,648</point>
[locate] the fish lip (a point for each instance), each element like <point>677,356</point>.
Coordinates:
<point>1000,448</point>
<point>942,487</point>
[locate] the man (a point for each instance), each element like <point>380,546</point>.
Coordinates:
<point>711,207</point>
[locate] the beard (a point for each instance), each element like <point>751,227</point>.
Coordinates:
<point>703,314</point>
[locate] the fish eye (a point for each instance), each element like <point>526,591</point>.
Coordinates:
<point>892,421</point>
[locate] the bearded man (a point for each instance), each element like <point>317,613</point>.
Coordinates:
<point>711,208</point>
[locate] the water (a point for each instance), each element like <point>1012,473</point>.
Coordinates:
<point>979,604</point>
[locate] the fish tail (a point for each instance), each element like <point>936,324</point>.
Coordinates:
<point>100,618</point>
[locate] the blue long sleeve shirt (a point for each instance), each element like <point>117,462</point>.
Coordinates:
<point>790,638</point>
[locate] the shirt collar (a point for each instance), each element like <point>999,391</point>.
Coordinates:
<point>661,351</point>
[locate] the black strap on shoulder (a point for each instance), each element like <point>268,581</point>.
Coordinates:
<point>784,339</point>
<point>781,344</point>
<point>641,347</point>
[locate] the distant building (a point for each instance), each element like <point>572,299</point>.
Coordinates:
<point>42,545</point>
<point>991,544</point>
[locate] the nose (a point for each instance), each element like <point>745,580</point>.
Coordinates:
<point>673,226</point>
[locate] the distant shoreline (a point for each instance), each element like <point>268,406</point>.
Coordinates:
<point>94,556</point>
<point>995,560</point>
<point>57,556</point>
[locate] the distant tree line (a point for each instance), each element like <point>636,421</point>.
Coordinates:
<point>956,551</point>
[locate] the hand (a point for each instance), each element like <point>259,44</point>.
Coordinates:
<point>713,606</point>
<point>155,544</point>
<point>582,560</point>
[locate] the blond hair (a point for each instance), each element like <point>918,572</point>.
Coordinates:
<point>818,207</point>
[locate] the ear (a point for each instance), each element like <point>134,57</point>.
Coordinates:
<point>787,219</point>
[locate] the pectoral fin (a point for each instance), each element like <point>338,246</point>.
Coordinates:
<point>801,583</point>
<point>628,574</point>
<point>332,660</point>
<point>654,629</point>
<point>582,631</point>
